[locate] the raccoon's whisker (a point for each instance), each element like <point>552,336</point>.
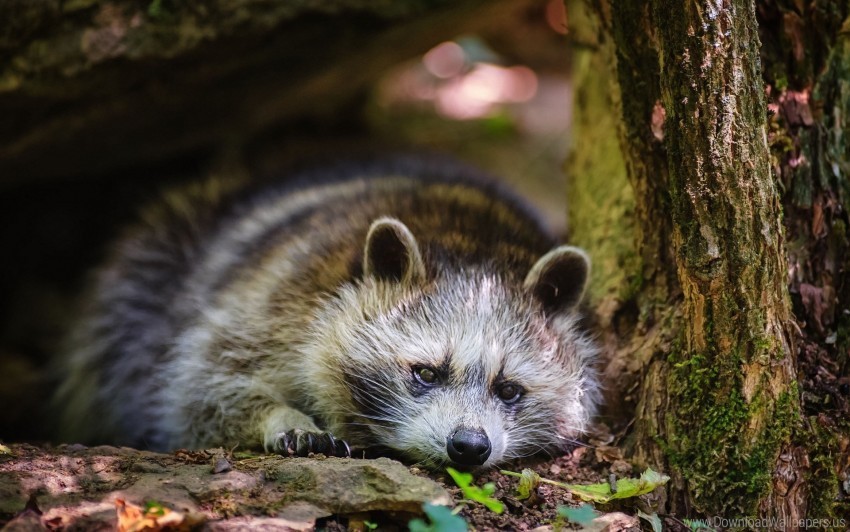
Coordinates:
<point>577,443</point>
<point>423,464</point>
<point>513,456</point>
<point>392,408</point>
<point>354,413</point>
<point>377,384</point>
<point>385,403</point>
<point>341,411</point>
<point>431,462</point>
<point>388,420</point>
<point>369,425</point>
<point>572,440</point>
<point>536,448</point>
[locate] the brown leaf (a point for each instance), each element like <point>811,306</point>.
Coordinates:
<point>607,453</point>
<point>813,301</point>
<point>132,518</point>
<point>795,30</point>
<point>796,108</point>
<point>818,220</point>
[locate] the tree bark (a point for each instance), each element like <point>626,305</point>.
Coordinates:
<point>712,346</point>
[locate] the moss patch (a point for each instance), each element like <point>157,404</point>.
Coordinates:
<point>728,469</point>
<point>824,484</point>
<point>600,198</point>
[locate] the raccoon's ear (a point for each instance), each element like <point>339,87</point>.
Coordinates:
<point>392,253</point>
<point>559,278</point>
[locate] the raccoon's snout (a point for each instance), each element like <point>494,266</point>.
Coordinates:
<point>469,447</point>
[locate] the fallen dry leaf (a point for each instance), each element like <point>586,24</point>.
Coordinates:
<point>819,304</point>
<point>607,453</point>
<point>154,517</point>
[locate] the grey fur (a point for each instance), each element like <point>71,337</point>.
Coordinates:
<point>232,317</point>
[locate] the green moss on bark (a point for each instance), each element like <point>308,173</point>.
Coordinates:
<point>601,202</point>
<point>727,469</point>
<point>709,220</point>
<point>713,206</point>
<point>824,446</point>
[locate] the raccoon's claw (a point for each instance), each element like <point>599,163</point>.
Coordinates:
<point>301,443</point>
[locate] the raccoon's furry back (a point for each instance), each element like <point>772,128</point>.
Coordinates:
<point>128,314</point>
<point>212,268</point>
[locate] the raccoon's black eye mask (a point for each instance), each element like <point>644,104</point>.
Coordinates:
<point>429,377</point>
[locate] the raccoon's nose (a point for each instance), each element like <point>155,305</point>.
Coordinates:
<point>469,447</point>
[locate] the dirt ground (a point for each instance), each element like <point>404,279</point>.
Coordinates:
<point>72,487</point>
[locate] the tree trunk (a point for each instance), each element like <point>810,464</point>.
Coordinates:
<point>705,330</point>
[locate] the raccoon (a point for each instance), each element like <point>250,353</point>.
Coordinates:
<point>409,305</point>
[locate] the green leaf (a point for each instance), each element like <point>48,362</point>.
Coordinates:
<point>463,480</point>
<point>626,487</point>
<point>528,482</point>
<point>653,520</point>
<point>418,525</point>
<point>582,515</point>
<point>442,520</point>
<point>482,495</point>
<point>154,508</point>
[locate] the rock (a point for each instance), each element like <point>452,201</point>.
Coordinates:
<point>77,486</point>
<point>26,521</point>
<point>222,465</point>
<point>615,521</point>
<point>250,524</point>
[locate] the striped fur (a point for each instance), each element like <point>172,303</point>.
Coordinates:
<point>233,313</point>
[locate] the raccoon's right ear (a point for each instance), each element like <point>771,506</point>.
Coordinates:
<point>392,252</point>
<point>559,278</point>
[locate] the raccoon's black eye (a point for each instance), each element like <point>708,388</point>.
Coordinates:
<point>426,376</point>
<point>509,392</point>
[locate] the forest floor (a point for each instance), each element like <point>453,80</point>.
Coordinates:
<point>71,487</point>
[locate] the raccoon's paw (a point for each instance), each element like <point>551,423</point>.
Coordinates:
<point>298,442</point>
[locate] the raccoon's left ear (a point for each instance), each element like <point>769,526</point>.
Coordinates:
<point>392,252</point>
<point>559,278</point>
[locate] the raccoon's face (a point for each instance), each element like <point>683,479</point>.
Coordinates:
<point>468,370</point>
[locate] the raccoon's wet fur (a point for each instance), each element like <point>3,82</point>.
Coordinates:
<point>409,305</point>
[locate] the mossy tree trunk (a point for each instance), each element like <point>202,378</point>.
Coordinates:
<point>705,343</point>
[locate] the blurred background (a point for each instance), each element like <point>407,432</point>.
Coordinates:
<point>106,103</point>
